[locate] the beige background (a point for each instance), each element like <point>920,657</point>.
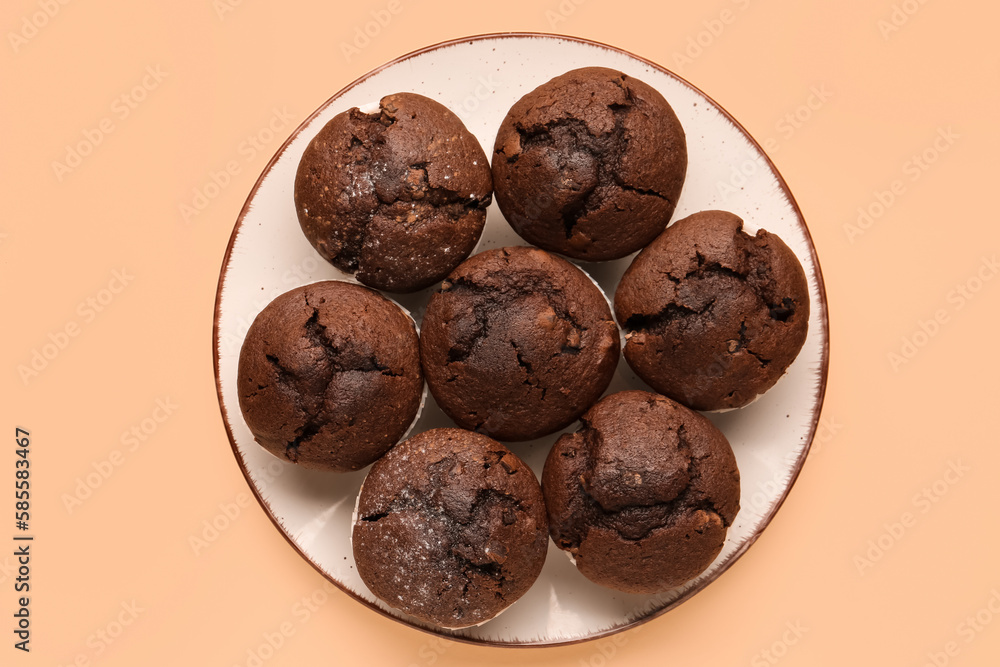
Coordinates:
<point>886,551</point>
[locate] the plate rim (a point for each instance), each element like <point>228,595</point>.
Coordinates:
<point>823,369</point>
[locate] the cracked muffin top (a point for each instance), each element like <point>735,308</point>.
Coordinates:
<point>713,315</point>
<point>329,376</point>
<point>397,197</point>
<point>643,494</point>
<point>450,528</point>
<point>518,343</point>
<point>590,164</point>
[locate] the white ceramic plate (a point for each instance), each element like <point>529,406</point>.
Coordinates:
<point>480,78</point>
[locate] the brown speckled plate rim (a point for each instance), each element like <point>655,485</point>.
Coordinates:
<point>820,392</point>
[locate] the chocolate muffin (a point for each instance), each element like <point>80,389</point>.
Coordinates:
<point>329,376</point>
<point>450,528</point>
<point>517,343</point>
<point>397,197</point>
<point>642,496</point>
<point>714,316</point>
<point>590,164</point>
